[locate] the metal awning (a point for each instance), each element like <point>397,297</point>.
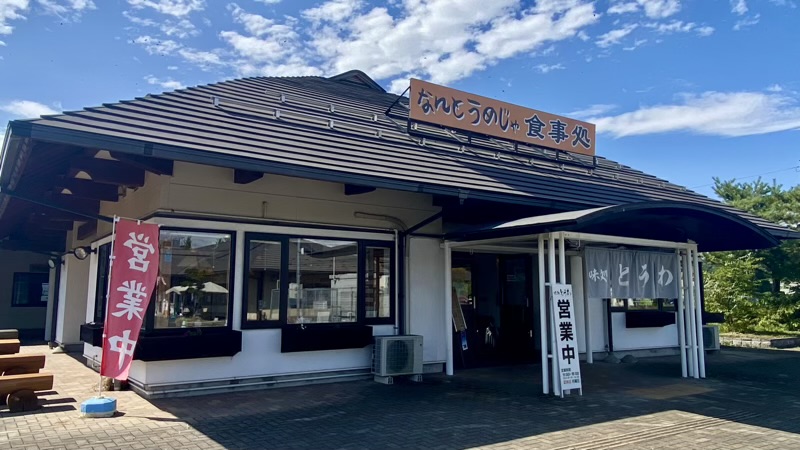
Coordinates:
<point>713,229</point>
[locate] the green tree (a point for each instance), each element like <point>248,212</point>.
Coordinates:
<point>751,287</point>
<point>781,264</point>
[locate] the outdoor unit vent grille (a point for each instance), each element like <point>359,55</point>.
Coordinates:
<point>397,355</point>
<point>711,337</point>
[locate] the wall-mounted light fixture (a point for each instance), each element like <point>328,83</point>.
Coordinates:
<point>82,252</point>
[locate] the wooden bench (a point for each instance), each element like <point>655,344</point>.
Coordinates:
<point>20,364</point>
<point>19,391</point>
<point>9,346</point>
<point>9,334</point>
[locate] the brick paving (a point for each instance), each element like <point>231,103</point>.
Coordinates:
<point>749,401</point>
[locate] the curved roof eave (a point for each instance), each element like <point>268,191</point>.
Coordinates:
<point>700,223</point>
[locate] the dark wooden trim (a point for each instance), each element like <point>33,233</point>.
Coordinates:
<point>246,176</point>
<point>299,338</point>
<point>87,230</point>
<point>157,166</point>
<point>353,189</point>
<point>191,344</point>
<point>89,189</point>
<point>108,171</point>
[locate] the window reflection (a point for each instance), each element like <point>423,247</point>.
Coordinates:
<point>263,282</point>
<point>323,281</point>
<point>193,286</point>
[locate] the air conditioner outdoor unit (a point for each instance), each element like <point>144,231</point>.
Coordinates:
<point>397,355</point>
<point>711,337</point>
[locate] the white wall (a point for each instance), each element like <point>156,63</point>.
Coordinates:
<point>72,300</point>
<point>426,302</point>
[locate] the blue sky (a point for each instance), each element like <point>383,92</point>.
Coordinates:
<point>683,89</point>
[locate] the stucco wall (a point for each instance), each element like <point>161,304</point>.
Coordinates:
<point>22,318</point>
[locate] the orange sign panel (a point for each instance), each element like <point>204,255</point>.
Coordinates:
<point>459,110</point>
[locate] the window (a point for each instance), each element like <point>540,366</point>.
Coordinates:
<point>193,288</point>
<point>377,286</point>
<point>303,280</point>
<point>262,290</point>
<point>30,289</point>
<point>101,286</point>
<point>323,281</point>
<point>642,304</point>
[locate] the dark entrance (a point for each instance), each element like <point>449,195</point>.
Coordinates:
<point>495,294</point>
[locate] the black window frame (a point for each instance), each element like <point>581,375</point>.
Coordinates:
<point>149,322</point>
<point>101,283</point>
<point>285,240</point>
<point>29,275</point>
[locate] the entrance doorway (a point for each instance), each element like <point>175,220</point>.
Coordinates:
<point>495,294</point>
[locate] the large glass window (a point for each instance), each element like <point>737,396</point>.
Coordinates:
<point>193,288</point>
<point>263,288</point>
<point>323,281</point>
<point>30,289</point>
<point>101,285</point>
<point>377,286</point>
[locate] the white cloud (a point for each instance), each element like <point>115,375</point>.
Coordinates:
<point>68,11</point>
<point>592,111</point>
<point>746,22</point>
<point>172,67</point>
<point>441,40</point>
<point>654,9</point>
<point>545,68</point>
<point>678,26</point>
<point>729,114</point>
<point>659,9</point>
<point>775,88</point>
<point>623,8</point>
<point>636,44</point>
<point>26,109</point>
<point>2,44</point>
<point>739,7</point>
<point>332,11</point>
<point>177,8</point>
<point>269,2</point>
<point>169,83</point>
<point>156,46</point>
<point>615,36</point>
<point>200,58</point>
<point>11,10</point>
<point>179,28</point>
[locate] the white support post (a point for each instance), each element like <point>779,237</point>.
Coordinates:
<point>579,296</point>
<point>687,324</point>
<point>681,329</point>
<point>562,259</point>
<point>551,266</point>
<point>448,308</point>
<point>690,315</point>
<point>543,319</point>
<point>698,309</point>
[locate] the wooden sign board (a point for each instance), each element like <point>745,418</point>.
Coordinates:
<point>439,105</point>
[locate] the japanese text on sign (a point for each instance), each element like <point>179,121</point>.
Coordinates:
<point>630,274</point>
<point>566,351</point>
<point>134,268</point>
<point>440,105</point>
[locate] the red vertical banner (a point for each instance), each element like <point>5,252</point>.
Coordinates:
<point>134,269</point>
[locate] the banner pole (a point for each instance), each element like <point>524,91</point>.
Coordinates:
<point>108,289</point>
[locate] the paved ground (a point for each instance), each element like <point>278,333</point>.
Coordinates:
<point>750,401</point>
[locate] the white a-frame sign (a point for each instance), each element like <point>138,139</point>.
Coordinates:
<point>566,349</point>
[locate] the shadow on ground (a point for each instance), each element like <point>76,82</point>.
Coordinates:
<point>488,406</point>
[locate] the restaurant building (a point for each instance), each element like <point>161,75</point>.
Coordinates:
<point>302,216</point>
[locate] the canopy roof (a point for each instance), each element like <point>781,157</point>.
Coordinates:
<point>711,228</point>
